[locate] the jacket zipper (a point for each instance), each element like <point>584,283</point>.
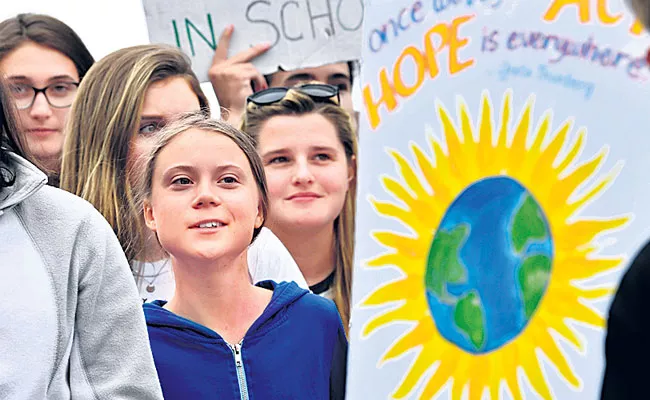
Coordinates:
<point>241,374</point>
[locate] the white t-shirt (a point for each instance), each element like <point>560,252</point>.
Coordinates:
<point>268,259</point>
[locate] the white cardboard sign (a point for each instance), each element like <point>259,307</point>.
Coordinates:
<point>302,33</point>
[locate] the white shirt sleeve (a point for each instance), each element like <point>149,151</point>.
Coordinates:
<point>268,259</point>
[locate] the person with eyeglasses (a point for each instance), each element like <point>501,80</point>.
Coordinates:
<point>43,60</point>
<point>235,78</point>
<point>309,149</point>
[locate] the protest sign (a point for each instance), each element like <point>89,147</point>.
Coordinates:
<point>302,33</point>
<point>502,191</point>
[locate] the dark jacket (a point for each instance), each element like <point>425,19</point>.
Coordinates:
<point>627,354</point>
<point>295,350</point>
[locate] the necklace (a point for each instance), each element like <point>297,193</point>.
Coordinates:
<point>151,287</point>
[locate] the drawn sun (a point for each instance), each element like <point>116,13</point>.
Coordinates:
<point>496,259</point>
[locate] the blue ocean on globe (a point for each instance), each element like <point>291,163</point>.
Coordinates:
<point>489,265</point>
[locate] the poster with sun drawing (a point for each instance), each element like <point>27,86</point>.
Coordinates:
<point>498,196</point>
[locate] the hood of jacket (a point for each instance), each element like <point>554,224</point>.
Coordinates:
<point>284,294</point>
<point>28,180</point>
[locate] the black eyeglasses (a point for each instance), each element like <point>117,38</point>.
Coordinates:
<point>317,91</point>
<point>58,95</point>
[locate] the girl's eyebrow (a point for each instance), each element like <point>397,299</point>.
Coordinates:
<point>191,169</point>
<point>59,77</point>
<point>322,148</point>
<point>54,78</point>
<point>151,118</point>
<point>273,153</point>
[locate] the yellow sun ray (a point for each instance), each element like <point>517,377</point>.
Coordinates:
<point>596,188</point>
<point>403,215</point>
<point>562,329</point>
<point>528,163</point>
<point>399,242</point>
<point>546,162</point>
<point>423,363</point>
<point>394,291</point>
<point>426,166</point>
<point>535,149</point>
<point>484,159</point>
<point>584,231</point>
<point>558,360</point>
<point>469,145</point>
<point>517,153</point>
<point>551,152</point>
<point>402,313</point>
<point>408,174</point>
<point>422,332</point>
<point>582,268</point>
<point>440,377</point>
<point>575,149</point>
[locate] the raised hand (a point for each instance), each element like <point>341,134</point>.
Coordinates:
<point>235,78</point>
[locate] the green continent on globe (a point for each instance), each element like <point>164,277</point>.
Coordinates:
<point>469,318</point>
<point>528,224</point>
<point>533,278</point>
<point>443,264</point>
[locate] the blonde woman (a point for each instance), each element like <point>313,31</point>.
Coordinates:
<point>124,99</point>
<point>205,198</point>
<point>308,147</point>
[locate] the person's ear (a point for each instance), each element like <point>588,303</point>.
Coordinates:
<point>259,218</point>
<point>352,168</point>
<point>149,218</point>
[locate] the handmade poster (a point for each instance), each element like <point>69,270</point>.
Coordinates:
<point>502,192</point>
<point>302,33</point>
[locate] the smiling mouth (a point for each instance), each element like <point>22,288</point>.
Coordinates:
<point>208,225</point>
<point>211,225</point>
<point>304,196</point>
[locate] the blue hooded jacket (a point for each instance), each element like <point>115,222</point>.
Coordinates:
<point>295,350</point>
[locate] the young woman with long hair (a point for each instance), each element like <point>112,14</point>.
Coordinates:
<point>124,99</point>
<point>308,147</point>
<point>220,336</point>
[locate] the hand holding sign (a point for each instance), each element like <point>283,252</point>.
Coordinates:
<point>235,78</point>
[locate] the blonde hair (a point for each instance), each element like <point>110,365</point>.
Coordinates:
<point>298,103</point>
<point>103,121</point>
<point>198,120</point>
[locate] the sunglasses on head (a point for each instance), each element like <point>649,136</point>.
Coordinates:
<point>317,91</point>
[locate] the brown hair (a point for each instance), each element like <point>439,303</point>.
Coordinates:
<point>10,140</point>
<point>200,121</point>
<point>353,67</point>
<point>46,31</point>
<point>103,121</point>
<point>297,103</point>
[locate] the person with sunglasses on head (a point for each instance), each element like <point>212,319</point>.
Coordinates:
<point>234,79</point>
<point>309,149</point>
<point>72,326</point>
<point>220,336</point>
<point>44,60</point>
<point>106,137</point>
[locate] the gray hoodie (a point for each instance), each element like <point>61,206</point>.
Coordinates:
<point>71,322</point>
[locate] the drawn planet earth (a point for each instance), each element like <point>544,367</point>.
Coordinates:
<point>489,265</point>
